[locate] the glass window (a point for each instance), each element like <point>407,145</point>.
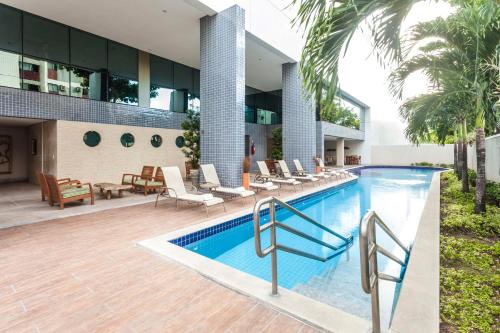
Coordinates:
<point>161,98</point>
<point>45,39</point>
<point>183,77</point>
<point>194,96</point>
<point>183,85</point>
<point>122,90</point>
<point>91,138</point>
<point>122,61</point>
<point>162,72</point>
<point>156,140</point>
<point>127,140</point>
<point>10,69</point>
<point>162,83</point>
<point>87,84</point>
<point>249,114</point>
<point>87,50</point>
<point>44,76</point>
<point>179,141</point>
<point>10,29</point>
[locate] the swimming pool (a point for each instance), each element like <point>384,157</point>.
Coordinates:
<point>396,194</point>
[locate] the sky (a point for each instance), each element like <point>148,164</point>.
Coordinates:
<point>362,76</point>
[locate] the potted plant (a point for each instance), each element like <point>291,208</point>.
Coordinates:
<point>191,147</point>
<point>318,167</point>
<point>246,172</point>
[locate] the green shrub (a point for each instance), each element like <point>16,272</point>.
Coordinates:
<point>470,253</point>
<point>472,177</point>
<point>467,300</point>
<point>493,193</point>
<point>428,164</point>
<point>461,218</point>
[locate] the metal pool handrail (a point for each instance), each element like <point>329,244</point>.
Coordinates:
<point>368,256</point>
<point>275,246</point>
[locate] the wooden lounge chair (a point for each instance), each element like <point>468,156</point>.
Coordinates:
<point>265,176</point>
<point>211,176</point>
<point>68,191</point>
<point>44,187</point>
<point>147,173</point>
<point>287,174</point>
<point>301,172</point>
<point>176,189</point>
<point>153,184</point>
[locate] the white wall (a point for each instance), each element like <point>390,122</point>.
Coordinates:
<point>408,154</point>
<point>492,158</point>
<point>109,160</point>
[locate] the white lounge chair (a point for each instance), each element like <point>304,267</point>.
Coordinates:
<point>210,175</point>
<point>266,186</point>
<point>175,189</point>
<point>265,175</point>
<point>302,172</point>
<point>287,174</point>
<point>338,173</point>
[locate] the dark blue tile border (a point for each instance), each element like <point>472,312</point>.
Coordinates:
<point>207,232</point>
<point>357,170</point>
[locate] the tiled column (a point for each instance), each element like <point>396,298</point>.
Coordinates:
<point>222,90</point>
<point>299,120</point>
<point>340,152</point>
<point>320,141</point>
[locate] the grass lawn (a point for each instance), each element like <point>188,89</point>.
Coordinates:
<point>470,252</point>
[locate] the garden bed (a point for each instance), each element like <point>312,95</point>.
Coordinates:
<point>470,252</point>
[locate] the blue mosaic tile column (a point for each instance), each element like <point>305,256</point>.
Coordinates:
<point>222,90</point>
<point>299,120</point>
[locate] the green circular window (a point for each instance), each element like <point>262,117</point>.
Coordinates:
<point>127,140</point>
<point>91,138</point>
<point>179,141</point>
<point>156,141</point>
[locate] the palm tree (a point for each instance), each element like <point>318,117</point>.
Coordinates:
<point>330,24</point>
<point>457,60</point>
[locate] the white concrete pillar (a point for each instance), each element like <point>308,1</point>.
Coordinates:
<point>340,152</point>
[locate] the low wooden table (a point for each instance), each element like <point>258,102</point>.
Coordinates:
<point>109,187</point>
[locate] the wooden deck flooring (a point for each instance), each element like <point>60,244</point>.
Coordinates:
<point>85,274</point>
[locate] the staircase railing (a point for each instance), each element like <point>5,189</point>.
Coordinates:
<point>368,256</point>
<point>273,224</point>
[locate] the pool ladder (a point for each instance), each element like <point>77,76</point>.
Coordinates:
<point>273,224</point>
<point>368,256</point>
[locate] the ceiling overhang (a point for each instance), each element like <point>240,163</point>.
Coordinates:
<point>167,28</point>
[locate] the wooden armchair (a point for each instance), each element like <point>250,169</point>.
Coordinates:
<point>73,190</point>
<point>155,183</point>
<point>44,186</point>
<point>147,174</point>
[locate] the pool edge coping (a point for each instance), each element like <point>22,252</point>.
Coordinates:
<point>302,308</point>
<point>417,309</point>
<point>305,309</point>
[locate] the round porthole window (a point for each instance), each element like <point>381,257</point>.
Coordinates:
<point>156,141</point>
<point>127,140</point>
<point>179,141</point>
<point>91,138</point>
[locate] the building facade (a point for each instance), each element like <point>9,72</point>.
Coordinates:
<point>92,96</point>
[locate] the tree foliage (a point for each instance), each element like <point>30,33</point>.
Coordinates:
<point>340,115</point>
<point>191,127</point>
<point>277,152</point>
<point>330,25</point>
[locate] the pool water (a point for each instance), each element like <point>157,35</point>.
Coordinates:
<point>396,194</point>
